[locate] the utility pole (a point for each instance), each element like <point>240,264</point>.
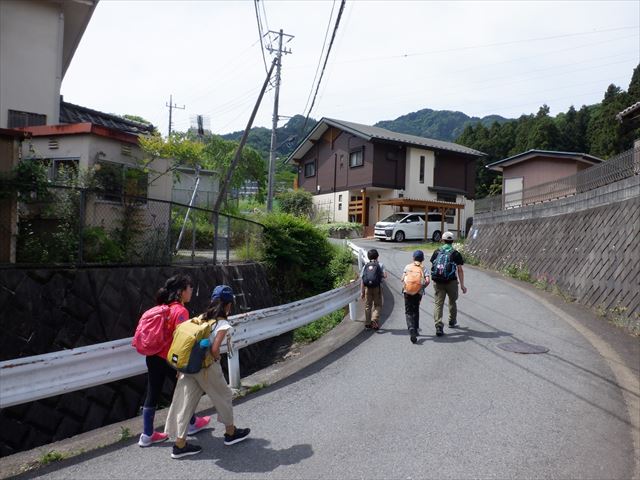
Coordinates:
<point>272,151</point>
<point>171,106</point>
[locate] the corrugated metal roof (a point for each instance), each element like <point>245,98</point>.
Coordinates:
<point>520,156</point>
<point>630,110</point>
<point>368,133</point>
<point>70,113</point>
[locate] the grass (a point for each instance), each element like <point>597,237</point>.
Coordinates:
<point>50,457</point>
<point>316,329</point>
<point>125,434</point>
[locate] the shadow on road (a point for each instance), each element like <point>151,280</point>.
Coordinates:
<point>459,334</point>
<point>254,455</point>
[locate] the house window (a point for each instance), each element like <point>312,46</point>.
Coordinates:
<point>310,169</point>
<point>19,119</point>
<point>64,170</point>
<point>356,158</point>
<point>339,206</point>
<point>447,197</point>
<point>117,180</point>
<point>421,168</point>
<point>340,197</point>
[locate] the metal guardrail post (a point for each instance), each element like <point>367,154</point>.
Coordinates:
<point>233,366</point>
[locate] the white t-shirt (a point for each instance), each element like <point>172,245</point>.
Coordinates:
<point>221,325</point>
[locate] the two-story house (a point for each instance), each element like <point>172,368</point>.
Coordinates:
<point>361,173</point>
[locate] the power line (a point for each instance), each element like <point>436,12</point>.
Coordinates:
<point>264,15</point>
<point>255,4</point>
<point>324,45</point>
<point>472,47</point>
<point>333,36</point>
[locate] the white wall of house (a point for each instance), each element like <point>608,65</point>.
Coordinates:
<point>332,207</point>
<point>385,210</point>
<point>413,188</point>
<point>31,42</point>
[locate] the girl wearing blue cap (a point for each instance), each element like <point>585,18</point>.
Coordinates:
<point>210,380</point>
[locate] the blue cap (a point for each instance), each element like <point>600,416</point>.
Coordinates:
<point>418,256</point>
<point>223,292</point>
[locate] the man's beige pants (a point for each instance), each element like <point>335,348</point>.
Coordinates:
<point>188,391</point>
<point>372,304</point>
<point>442,290</point>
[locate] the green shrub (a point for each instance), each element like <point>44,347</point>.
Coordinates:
<point>340,229</point>
<point>296,255</point>
<point>296,202</point>
<point>99,247</point>
<point>341,266</point>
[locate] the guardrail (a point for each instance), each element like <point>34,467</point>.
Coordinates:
<point>32,378</point>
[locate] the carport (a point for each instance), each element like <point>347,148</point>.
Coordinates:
<point>441,207</point>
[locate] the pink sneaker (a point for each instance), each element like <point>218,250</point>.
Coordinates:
<point>156,437</point>
<point>201,423</point>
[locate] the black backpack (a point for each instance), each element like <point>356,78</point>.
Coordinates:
<point>372,276</point>
<point>444,268</point>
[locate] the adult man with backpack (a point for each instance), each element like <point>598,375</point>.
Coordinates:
<point>371,277</point>
<point>445,271</point>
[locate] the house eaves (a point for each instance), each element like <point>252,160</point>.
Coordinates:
<point>524,156</point>
<point>76,14</point>
<point>632,112</point>
<point>370,133</point>
<point>79,129</point>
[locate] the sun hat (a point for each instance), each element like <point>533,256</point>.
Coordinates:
<point>223,292</point>
<point>447,236</point>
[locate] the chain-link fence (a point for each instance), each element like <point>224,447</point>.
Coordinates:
<point>76,226</point>
<point>616,168</point>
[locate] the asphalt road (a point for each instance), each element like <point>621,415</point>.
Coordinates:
<point>452,407</point>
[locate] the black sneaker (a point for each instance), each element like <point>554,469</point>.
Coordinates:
<point>188,449</point>
<point>439,331</point>
<point>239,435</point>
<point>412,332</point>
<point>453,324</point>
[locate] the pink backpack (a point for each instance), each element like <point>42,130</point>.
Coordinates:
<point>152,333</point>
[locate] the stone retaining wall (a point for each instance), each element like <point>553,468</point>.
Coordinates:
<point>587,244</point>
<point>47,310</point>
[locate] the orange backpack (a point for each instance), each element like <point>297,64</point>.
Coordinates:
<point>413,279</point>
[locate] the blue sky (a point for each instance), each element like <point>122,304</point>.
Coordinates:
<point>388,58</point>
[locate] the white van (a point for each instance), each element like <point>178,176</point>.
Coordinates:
<point>410,226</point>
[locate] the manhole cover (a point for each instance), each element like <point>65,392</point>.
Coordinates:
<point>521,347</point>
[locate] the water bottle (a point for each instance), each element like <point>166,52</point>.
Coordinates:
<point>205,343</point>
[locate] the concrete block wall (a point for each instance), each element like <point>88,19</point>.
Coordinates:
<point>587,244</point>
<point>47,310</point>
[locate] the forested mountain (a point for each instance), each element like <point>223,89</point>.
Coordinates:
<point>437,124</point>
<point>592,129</point>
